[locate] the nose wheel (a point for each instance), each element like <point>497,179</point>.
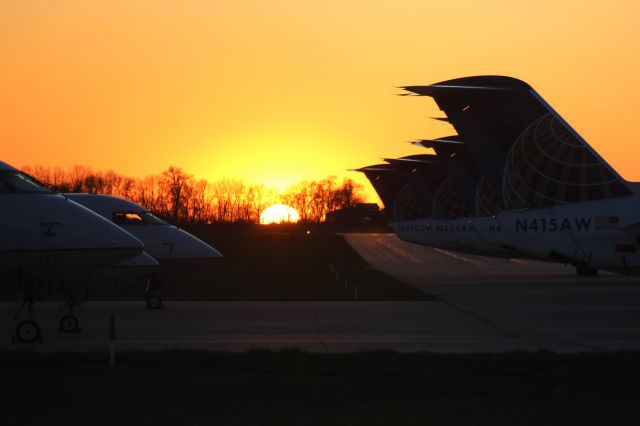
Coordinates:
<point>154,302</point>
<point>27,331</point>
<point>69,324</point>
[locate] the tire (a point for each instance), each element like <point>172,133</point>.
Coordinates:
<point>28,331</point>
<point>69,324</point>
<point>154,302</point>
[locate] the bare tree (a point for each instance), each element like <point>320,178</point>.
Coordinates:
<point>176,194</point>
<point>347,195</point>
<point>299,197</point>
<point>177,185</point>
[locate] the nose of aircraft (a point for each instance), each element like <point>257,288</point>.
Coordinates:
<point>143,260</point>
<point>118,237</point>
<point>97,232</point>
<point>193,247</point>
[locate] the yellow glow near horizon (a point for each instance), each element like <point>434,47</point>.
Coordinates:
<point>279,213</point>
<point>281,91</point>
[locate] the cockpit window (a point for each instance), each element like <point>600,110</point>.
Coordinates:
<point>153,219</point>
<point>128,218</point>
<point>15,181</point>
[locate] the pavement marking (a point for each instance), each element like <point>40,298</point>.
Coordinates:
<point>459,257</point>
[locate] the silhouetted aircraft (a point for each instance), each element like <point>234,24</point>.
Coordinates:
<point>45,238</point>
<point>177,251</point>
<point>518,177</point>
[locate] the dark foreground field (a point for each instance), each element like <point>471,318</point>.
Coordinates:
<point>287,263</point>
<point>295,388</point>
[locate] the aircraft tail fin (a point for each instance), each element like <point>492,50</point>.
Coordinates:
<point>528,153</point>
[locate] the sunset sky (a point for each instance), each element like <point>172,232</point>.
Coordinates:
<point>283,90</point>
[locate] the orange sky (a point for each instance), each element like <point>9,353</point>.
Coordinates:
<point>283,90</point>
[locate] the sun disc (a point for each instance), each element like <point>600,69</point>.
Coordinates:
<point>279,213</point>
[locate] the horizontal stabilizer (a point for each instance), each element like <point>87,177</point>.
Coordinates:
<point>376,168</point>
<point>433,89</point>
<point>430,143</point>
<point>414,159</point>
<point>475,84</point>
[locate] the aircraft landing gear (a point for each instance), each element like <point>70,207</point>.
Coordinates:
<point>28,330</point>
<point>68,322</point>
<point>154,301</point>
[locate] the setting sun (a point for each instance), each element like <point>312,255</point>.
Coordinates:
<point>279,213</point>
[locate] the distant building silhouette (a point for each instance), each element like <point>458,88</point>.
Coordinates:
<point>360,216</point>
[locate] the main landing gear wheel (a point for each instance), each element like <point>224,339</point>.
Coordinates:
<point>69,324</point>
<point>27,331</point>
<point>154,302</point>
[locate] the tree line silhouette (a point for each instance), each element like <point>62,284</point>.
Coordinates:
<point>180,197</point>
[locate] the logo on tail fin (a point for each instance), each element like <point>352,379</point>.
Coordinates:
<point>548,165</point>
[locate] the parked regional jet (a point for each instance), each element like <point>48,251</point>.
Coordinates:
<point>553,196</point>
<point>45,237</point>
<point>424,207</point>
<point>176,250</point>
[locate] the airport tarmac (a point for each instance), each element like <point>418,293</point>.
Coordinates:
<point>238,326</point>
<point>521,299</point>
<point>486,305</point>
<point>311,326</point>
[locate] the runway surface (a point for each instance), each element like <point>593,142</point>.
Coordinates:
<point>486,305</point>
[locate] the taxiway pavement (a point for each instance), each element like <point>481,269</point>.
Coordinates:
<point>485,305</point>
<point>521,299</point>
